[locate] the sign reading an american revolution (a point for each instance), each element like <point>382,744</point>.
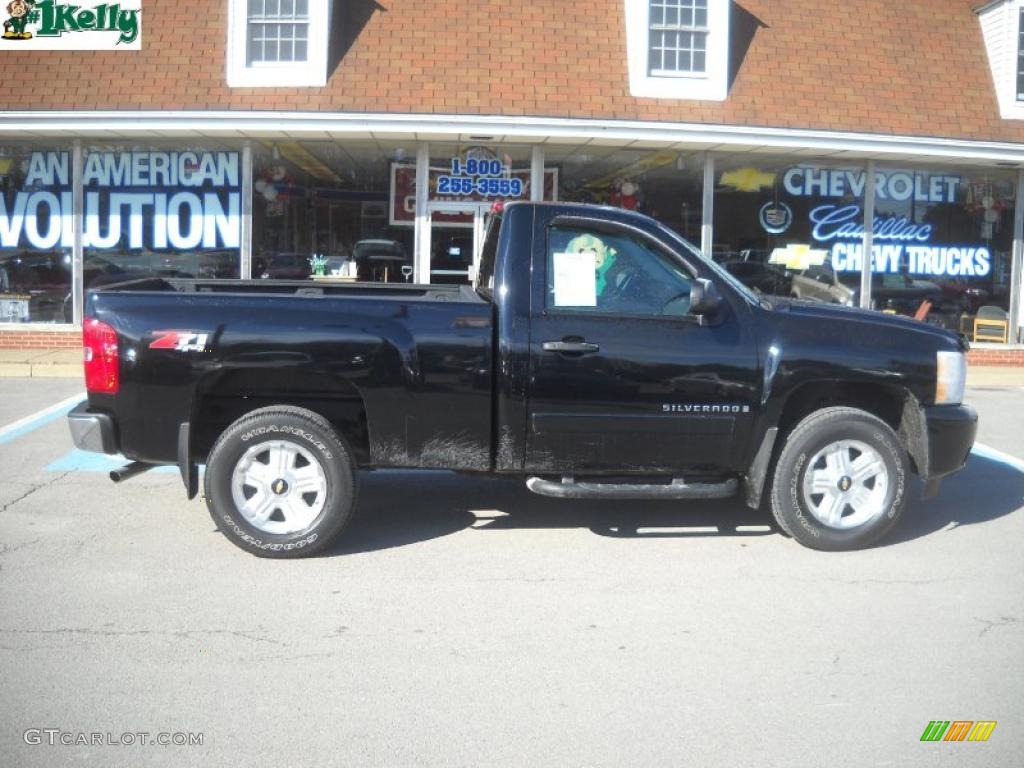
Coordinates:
<point>133,200</point>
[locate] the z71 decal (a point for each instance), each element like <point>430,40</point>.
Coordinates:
<point>183,341</point>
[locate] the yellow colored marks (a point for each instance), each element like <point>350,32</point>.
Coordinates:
<point>747,179</point>
<point>982,730</point>
<point>798,256</point>
<point>298,155</point>
<point>636,168</point>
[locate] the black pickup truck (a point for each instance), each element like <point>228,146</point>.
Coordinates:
<point>598,355</point>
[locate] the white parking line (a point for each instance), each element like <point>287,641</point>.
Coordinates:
<point>39,418</point>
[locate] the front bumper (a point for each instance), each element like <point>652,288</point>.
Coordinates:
<point>92,431</point>
<point>950,431</point>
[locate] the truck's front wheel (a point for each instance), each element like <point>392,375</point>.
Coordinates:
<point>840,481</point>
<point>280,482</point>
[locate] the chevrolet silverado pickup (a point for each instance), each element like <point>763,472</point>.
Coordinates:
<point>597,355</point>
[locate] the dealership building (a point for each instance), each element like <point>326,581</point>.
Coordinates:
<point>787,138</point>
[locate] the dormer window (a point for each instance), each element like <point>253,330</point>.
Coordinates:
<point>678,37</point>
<point>277,31</point>
<point>1002,27</point>
<point>678,49</point>
<point>278,42</point>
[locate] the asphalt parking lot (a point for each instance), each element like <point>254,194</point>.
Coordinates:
<point>467,622</point>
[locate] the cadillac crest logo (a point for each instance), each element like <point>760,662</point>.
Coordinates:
<point>775,218</point>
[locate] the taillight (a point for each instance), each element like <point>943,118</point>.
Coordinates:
<point>100,342</point>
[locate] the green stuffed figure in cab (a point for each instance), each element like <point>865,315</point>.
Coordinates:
<point>604,257</point>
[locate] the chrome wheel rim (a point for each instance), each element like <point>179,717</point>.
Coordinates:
<point>846,484</point>
<point>279,487</point>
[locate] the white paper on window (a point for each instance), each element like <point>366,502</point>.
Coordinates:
<point>575,279</point>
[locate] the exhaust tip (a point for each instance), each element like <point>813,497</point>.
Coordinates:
<point>121,474</point>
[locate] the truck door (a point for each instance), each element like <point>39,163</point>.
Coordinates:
<point>622,377</point>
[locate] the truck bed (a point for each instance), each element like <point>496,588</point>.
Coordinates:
<point>406,368</point>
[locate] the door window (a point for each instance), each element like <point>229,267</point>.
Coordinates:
<point>613,273</point>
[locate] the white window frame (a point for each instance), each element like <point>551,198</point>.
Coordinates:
<point>710,85</point>
<point>309,73</point>
<point>1000,25</point>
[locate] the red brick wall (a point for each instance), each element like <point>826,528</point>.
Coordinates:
<point>1014,357</point>
<point>40,339</point>
<point>905,68</point>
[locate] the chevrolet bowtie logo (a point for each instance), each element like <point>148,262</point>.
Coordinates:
<point>798,256</point>
<point>747,179</point>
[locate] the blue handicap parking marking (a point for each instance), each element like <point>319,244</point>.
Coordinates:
<point>993,454</point>
<point>86,461</point>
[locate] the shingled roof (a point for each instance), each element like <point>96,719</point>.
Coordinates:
<point>874,66</point>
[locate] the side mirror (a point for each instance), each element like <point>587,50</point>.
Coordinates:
<point>704,297</point>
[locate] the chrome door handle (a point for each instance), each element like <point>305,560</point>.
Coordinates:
<point>580,347</point>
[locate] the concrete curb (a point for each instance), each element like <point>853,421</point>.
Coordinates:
<point>41,363</point>
<point>41,370</point>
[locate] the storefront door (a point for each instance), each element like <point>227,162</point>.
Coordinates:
<point>455,232</point>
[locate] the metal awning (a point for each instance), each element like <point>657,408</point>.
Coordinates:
<point>508,130</point>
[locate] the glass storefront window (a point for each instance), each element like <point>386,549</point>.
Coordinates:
<point>776,220</point>
<point>170,210</point>
<point>942,239</point>
<point>788,225</point>
<point>329,199</point>
<point>943,236</point>
<point>665,184</point>
<point>465,182</point>
<point>36,234</point>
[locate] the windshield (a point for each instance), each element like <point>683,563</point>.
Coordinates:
<point>692,249</point>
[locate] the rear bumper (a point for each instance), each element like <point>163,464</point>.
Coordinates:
<point>92,431</point>
<point>950,430</point>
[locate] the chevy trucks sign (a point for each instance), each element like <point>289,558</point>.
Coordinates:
<point>904,235</point>
<point>48,25</point>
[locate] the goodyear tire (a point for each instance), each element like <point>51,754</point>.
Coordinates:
<point>840,480</point>
<point>280,482</point>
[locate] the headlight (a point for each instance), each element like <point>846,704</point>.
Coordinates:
<point>951,375</point>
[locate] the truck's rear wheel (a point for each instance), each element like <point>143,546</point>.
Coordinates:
<point>280,482</point>
<point>840,481</point>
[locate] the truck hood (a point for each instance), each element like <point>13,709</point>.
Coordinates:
<point>819,312</point>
